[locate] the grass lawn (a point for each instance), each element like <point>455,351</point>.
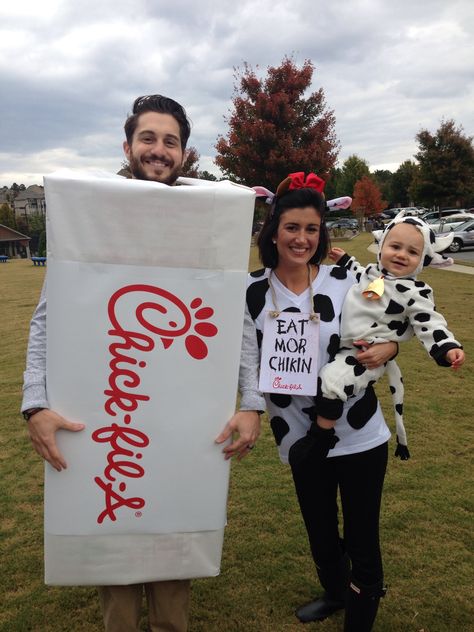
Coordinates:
<point>266,568</point>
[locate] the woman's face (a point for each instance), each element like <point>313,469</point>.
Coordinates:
<point>297,237</point>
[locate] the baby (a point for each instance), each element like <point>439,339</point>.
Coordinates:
<point>387,304</point>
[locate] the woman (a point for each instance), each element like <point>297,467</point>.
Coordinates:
<point>292,243</point>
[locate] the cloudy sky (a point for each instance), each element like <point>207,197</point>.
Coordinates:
<point>70,70</point>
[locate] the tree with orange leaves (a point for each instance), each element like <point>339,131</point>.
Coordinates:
<point>367,198</point>
<point>274,128</point>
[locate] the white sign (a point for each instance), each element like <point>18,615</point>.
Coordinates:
<point>289,362</point>
<point>145,291</point>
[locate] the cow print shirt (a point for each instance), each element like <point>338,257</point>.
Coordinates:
<point>362,426</point>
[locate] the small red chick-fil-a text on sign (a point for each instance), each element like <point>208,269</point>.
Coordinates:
<point>124,395</point>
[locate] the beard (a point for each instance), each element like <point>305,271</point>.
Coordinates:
<point>169,176</point>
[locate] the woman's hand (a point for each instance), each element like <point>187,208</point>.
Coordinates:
<point>247,424</point>
<point>375,355</point>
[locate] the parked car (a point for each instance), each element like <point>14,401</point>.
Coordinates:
<point>451,222</point>
<point>463,236</point>
<point>344,222</point>
<point>390,213</point>
<point>443,213</point>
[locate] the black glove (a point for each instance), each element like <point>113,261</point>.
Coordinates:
<point>315,445</point>
<point>402,451</point>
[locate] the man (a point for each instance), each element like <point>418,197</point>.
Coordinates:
<point>156,136</point>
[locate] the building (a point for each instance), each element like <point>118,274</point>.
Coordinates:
<point>30,202</point>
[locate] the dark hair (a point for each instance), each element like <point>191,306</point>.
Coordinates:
<point>162,105</point>
<point>299,198</point>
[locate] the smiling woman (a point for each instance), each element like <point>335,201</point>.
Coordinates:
<point>292,244</point>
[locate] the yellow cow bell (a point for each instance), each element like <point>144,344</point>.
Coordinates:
<point>374,290</point>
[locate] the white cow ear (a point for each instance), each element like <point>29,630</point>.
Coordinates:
<point>441,261</point>
<point>443,242</point>
<point>377,235</point>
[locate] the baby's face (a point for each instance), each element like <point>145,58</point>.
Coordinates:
<point>402,250</point>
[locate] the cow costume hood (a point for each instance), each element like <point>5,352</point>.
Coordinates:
<point>433,244</point>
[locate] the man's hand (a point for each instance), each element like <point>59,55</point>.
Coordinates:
<point>247,424</point>
<point>42,427</point>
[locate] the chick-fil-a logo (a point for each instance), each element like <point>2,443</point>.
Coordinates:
<point>124,395</point>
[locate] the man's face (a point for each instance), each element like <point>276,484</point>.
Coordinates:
<point>155,152</point>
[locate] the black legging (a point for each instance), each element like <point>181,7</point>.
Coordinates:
<point>359,478</point>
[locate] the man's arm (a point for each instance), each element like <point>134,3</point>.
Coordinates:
<point>42,426</point>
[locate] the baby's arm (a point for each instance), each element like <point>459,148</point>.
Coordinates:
<point>455,357</point>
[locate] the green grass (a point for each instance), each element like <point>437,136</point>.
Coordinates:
<point>266,567</point>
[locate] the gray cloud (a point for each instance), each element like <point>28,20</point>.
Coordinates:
<point>70,71</point>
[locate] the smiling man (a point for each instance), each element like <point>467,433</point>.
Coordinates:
<point>156,133</point>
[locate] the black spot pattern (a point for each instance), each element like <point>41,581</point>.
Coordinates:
<point>333,346</point>
<point>311,412</point>
<point>394,308</point>
<point>324,307</point>
<point>362,409</point>
<point>349,390</point>
<point>422,317</point>
<point>399,408</point>
<point>439,335</point>
<point>426,292</point>
<point>257,273</point>
<point>280,428</point>
<point>399,327</point>
<point>282,401</point>
<point>411,302</point>
<point>259,338</point>
<point>401,288</point>
<point>338,272</point>
<point>256,297</point>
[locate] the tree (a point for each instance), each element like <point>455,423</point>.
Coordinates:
<point>7,216</point>
<point>207,175</point>
<point>367,198</point>
<point>275,129</point>
<point>402,182</point>
<point>353,169</point>
<point>383,178</point>
<point>446,166</point>
<point>36,227</point>
<point>190,166</point>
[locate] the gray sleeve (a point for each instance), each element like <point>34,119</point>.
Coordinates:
<point>251,397</point>
<point>34,377</point>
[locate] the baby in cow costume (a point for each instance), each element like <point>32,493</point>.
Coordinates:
<point>388,303</point>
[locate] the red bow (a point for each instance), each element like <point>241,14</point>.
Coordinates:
<point>312,181</point>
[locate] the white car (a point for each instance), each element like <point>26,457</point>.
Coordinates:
<point>463,236</point>
<point>451,222</point>
<point>440,214</point>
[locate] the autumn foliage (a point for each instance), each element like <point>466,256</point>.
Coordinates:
<point>275,129</point>
<point>367,198</point>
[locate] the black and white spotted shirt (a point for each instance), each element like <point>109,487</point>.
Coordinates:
<point>362,426</point>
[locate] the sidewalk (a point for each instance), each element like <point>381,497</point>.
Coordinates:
<point>456,267</point>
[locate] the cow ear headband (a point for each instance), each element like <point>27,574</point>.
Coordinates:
<point>298,181</point>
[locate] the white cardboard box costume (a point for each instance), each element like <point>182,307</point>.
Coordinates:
<point>145,299</point>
